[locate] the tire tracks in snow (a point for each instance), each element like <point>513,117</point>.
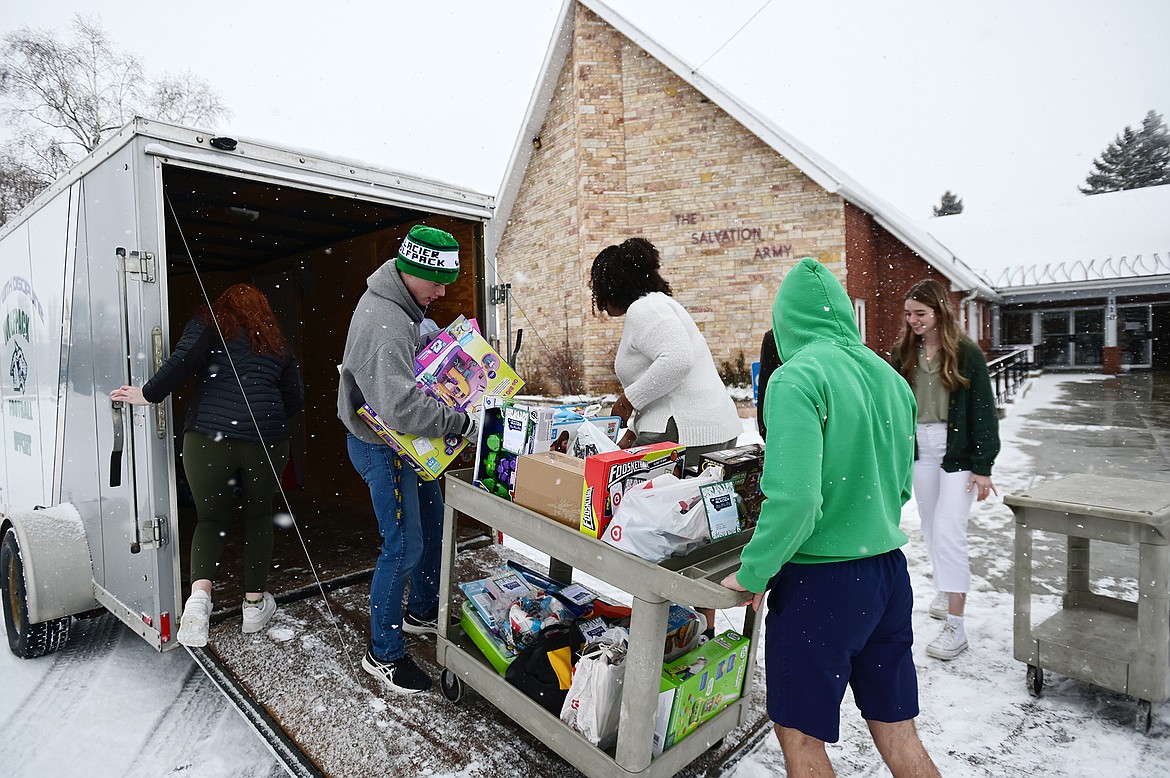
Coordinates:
<point>71,676</point>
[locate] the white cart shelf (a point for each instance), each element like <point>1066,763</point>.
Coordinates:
<point>692,580</point>
<point>1117,644</point>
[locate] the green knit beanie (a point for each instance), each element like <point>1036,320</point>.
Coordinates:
<point>429,253</point>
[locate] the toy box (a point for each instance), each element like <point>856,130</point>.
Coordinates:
<point>509,430</point>
<point>698,685</point>
<point>458,368</point>
<point>608,475</point>
<point>492,646</point>
<point>742,466</point>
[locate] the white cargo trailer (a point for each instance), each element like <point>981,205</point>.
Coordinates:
<point>99,274</point>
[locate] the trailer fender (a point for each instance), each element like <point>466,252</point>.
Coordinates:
<point>58,571</point>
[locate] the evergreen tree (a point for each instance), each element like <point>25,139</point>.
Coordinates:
<point>951,204</point>
<point>1135,158</point>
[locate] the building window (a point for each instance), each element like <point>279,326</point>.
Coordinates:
<point>1016,328</point>
<point>859,317</point>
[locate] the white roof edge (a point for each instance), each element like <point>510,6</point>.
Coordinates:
<point>538,106</point>
<point>820,171</point>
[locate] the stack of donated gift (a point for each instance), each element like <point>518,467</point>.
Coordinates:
<point>566,466</point>
<point>565,648</point>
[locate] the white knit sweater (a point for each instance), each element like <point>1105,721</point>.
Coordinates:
<point>667,370</point>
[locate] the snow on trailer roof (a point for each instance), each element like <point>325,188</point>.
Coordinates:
<point>195,146</point>
<point>1090,238</point>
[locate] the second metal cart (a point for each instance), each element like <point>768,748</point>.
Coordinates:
<point>1117,644</point>
<point>692,580</point>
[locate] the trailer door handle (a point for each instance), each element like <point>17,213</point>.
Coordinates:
<point>119,437</point>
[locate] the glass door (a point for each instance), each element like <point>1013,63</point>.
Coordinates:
<point>1134,335</point>
<point>1088,337</point>
<point>1054,339</point>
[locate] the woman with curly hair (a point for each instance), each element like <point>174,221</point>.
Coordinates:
<point>671,388</point>
<point>957,442</point>
<point>247,385</point>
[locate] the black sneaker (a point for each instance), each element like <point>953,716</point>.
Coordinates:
<point>401,675</point>
<point>426,624</point>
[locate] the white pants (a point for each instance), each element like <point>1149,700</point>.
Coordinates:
<point>944,505</point>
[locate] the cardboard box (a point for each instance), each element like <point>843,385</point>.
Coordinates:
<point>551,483</point>
<point>608,475</point>
<point>743,466</point>
<point>458,368</point>
<point>698,685</point>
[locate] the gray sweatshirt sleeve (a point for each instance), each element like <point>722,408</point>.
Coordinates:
<point>387,383</point>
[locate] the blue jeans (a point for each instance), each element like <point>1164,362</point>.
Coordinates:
<point>410,521</point>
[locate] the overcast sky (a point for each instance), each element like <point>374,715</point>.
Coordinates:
<point>1003,102</point>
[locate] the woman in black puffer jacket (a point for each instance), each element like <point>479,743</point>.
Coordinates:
<point>247,385</point>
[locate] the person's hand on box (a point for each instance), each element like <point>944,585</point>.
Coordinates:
<point>756,599</point>
<point>628,439</point>
<point>470,429</point>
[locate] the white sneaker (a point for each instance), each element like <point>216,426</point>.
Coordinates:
<point>194,622</point>
<point>951,641</point>
<point>256,616</point>
<point>940,606</point>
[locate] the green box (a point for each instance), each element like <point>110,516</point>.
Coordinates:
<point>697,685</point>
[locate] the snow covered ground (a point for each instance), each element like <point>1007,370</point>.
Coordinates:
<point>108,705</point>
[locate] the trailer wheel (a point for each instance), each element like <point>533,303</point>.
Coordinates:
<point>26,640</point>
<point>452,685</point>
<point>1035,680</point>
<point>1145,717</point>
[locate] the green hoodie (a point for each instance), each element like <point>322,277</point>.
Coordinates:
<point>840,448</point>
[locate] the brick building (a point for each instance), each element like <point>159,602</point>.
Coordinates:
<point>622,139</point>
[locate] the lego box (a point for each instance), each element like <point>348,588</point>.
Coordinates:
<point>698,685</point>
<point>742,466</point>
<point>608,475</point>
<point>458,368</point>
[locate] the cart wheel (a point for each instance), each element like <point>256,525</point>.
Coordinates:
<point>1035,680</point>
<point>451,685</point>
<point>1145,717</point>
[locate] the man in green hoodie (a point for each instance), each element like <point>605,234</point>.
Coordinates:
<point>837,470</point>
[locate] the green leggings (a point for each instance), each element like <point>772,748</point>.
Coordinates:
<point>214,469</point>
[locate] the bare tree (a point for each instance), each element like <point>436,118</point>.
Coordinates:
<point>60,99</point>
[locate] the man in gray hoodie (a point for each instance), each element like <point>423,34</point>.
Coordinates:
<point>378,370</point>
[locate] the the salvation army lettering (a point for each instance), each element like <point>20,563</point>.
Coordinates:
<point>735,236</point>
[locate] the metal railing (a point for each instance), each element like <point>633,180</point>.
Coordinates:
<point>1009,372</point>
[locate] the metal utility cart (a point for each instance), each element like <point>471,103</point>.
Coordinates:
<point>692,580</point>
<point>1117,644</point>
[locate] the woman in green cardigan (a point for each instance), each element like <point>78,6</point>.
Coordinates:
<point>958,440</point>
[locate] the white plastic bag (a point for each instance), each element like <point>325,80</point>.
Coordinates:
<point>593,702</point>
<point>661,518</point>
<point>589,440</point>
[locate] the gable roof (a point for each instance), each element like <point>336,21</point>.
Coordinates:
<point>820,170</point>
<point>1113,240</point>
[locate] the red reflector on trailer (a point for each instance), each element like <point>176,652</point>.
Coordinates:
<point>164,626</point>
<point>147,620</point>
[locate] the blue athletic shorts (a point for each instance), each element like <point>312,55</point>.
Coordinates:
<point>834,624</point>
